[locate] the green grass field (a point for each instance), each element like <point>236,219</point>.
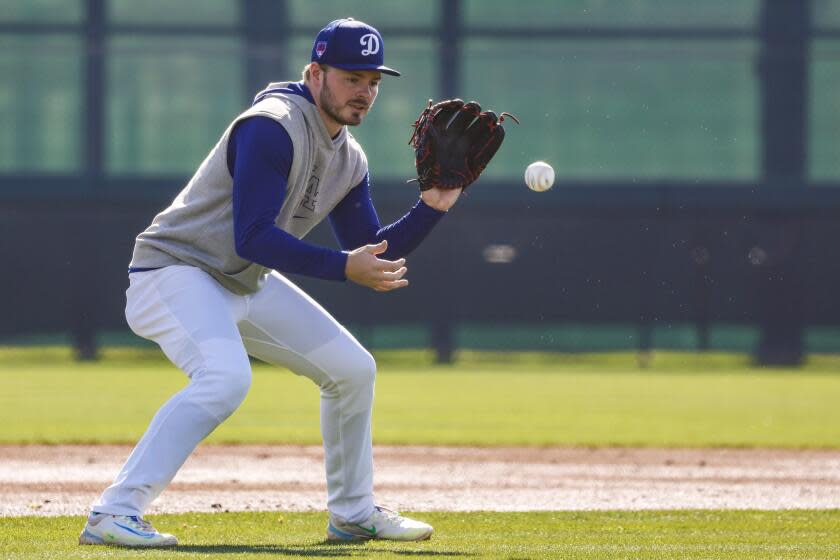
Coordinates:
<point>595,535</point>
<point>484,399</point>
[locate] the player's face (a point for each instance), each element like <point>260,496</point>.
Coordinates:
<point>347,96</point>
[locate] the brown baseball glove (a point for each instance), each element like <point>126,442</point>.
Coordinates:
<point>453,142</point>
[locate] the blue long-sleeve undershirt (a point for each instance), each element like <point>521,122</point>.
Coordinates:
<point>260,154</point>
<point>355,223</point>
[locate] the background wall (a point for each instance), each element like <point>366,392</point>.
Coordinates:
<point>698,177</point>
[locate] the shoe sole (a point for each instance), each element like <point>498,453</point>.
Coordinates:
<point>338,540</point>
<point>87,538</point>
<point>334,537</point>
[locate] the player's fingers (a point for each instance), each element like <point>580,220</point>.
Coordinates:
<point>396,275</point>
<point>377,249</point>
<point>390,266</point>
<point>387,286</point>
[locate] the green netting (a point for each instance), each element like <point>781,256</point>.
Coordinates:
<point>824,118</point>
<point>675,336</point>
<point>166,110</point>
<point>387,337</point>
<point>169,101</point>
<point>571,337</point>
<point>178,12</point>
<point>624,13</point>
<point>602,110</point>
<point>559,337</point>
<point>379,14</point>
<point>621,109</point>
<point>822,339</point>
<point>825,14</point>
<point>42,11</point>
<point>741,338</point>
<point>40,103</point>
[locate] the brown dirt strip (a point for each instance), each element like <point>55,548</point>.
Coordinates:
<point>64,480</point>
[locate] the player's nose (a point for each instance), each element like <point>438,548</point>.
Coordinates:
<point>367,91</point>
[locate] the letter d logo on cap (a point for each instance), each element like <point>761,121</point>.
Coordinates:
<point>371,44</point>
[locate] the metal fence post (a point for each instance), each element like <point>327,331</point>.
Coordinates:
<point>266,51</point>
<point>785,36</point>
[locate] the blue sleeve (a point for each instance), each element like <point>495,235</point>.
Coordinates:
<point>355,223</point>
<point>260,155</point>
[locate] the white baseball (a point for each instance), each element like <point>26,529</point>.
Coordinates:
<point>539,176</point>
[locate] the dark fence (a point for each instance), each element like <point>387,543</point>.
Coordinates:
<point>545,258</point>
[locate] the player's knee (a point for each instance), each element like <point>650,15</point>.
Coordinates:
<point>223,383</point>
<point>360,369</point>
<point>237,387</point>
<point>347,369</point>
<point>220,392</point>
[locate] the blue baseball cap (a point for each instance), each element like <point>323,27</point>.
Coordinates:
<point>350,45</point>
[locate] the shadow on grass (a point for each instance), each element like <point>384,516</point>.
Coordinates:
<point>320,549</point>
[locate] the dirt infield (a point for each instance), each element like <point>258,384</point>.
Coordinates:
<point>61,480</point>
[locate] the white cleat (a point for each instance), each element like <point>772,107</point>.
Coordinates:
<point>123,530</point>
<point>382,524</point>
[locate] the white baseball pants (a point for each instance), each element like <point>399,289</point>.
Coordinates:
<point>208,332</point>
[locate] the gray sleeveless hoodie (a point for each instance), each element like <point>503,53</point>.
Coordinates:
<point>197,228</point>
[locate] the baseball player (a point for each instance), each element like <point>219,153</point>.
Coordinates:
<point>206,282</point>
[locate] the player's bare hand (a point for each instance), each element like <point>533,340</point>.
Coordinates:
<point>440,199</point>
<point>364,267</point>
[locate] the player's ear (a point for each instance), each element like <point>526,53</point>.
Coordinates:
<point>317,71</point>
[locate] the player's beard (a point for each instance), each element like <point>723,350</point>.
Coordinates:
<point>331,107</point>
